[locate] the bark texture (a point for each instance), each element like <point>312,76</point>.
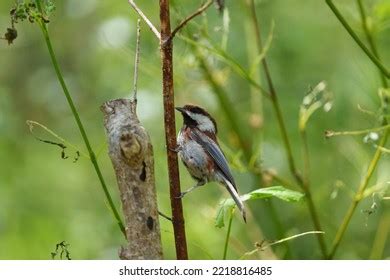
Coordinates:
<point>170,131</point>
<point>131,153</point>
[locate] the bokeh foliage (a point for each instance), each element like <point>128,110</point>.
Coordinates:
<point>45,199</point>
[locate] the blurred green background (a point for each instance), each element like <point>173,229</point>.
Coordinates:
<point>45,199</point>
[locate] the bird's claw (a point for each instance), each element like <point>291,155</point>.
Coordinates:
<point>175,150</point>
<point>182,194</point>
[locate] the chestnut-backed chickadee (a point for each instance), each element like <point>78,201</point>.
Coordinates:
<point>199,150</point>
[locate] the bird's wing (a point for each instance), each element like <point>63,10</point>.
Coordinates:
<point>215,152</point>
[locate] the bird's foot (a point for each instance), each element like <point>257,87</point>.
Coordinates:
<point>175,150</point>
<point>182,194</point>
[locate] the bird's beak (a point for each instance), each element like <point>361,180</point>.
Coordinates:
<point>180,109</point>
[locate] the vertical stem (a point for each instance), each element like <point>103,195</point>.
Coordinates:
<point>370,39</point>
<point>78,121</point>
<point>382,235</point>
<point>273,95</point>
<point>170,131</point>
<point>283,130</point>
<point>358,197</point>
<point>342,20</point>
<point>374,162</point>
<point>306,157</point>
<point>225,248</point>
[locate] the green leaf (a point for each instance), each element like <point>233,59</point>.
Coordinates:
<point>276,191</point>
<point>220,218</point>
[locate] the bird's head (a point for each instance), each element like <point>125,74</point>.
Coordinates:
<point>195,116</point>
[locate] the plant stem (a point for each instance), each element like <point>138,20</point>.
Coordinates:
<point>370,39</point>
<point>342,20</point>
<point>330,133</point>
<point>381,235</point>
<point>306,157</point>
<point>225,248</point>
<point>281,123</point>
<point>373,164</point>
<point>91,153</point>
<point>190,17</point>
<point>358,197</point>
<point>273,95</point>
<point>170,131</point>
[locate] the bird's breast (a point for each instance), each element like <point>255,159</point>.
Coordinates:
<point>194,157</point>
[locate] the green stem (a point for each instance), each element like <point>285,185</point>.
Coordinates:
<point>306,157</point>
<point>382,234</point>
<point>225,248</point>
<point>274,96</point>
<point>370,39</point>
<point>330,133</point>
<point>283,130</point>
<point>358,197</point>
<point>78,121</point>
<point>342,20</point>
<point>374,162</point>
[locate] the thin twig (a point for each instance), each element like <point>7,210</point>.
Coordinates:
<point>331,133</point>
<point>261,247</point>
<point>165,216</point>
<point>32,124</point>
<point>199,11</point>
<point>342,20</point>
<point>136,64</point>
<point>282,126</point>
<point>146,20</point>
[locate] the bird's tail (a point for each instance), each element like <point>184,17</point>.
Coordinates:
<point>233,192</point>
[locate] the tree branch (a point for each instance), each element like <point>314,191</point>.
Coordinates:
<point>131,154</point>
<point>199,11</point>
<point>144,17</point>
<point>170,131</point>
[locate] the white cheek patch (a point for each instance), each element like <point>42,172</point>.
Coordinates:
<point>204,123</point>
